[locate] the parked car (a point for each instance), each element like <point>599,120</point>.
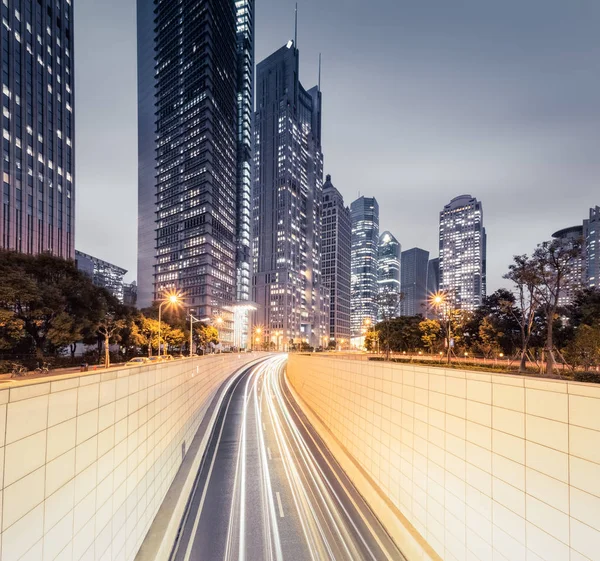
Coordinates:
<point>167,358</point>
<point>154,359</point>
<point>137,361</point>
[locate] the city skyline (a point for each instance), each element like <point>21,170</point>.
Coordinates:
<point>515,162</point>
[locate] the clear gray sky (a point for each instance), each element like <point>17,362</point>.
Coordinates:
<point>423,101</point>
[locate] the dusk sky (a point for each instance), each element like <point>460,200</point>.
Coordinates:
<point>423,101</point>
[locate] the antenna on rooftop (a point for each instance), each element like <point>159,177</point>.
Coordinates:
<point>319,71</point>
<point>296,28</point>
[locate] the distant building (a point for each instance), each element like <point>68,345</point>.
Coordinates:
<point>102,273</point>
<point>287,200</point>
<point>388,275</point>
<point>37,211</point>
<point>415,263</point>
<point>463,252</point>
<point>336,261</point>
<point>365,240</point>
<point>433,283</point>
<point>591,233</point>
<point>576,279</point>
<point>130,294</point>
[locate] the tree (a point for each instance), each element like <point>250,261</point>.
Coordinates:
<point>109,328</point>
<point>430,330</point>
<point>205,334</point>
<point>371,339</point>
<point>489,337</point>
<point>554,263</point>
<point>524,275</point>
<point>12,330</point>
<point>175,337</point>
<point>149,329</point>
<point>401,333</point>
<point>387,308</point>
<point>584,350</point>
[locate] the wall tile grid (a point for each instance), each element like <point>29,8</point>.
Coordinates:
<point>486,467</point>
<point>86,461</point>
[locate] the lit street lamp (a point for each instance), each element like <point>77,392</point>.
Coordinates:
<point>439,300</point>
<point>172,299</point>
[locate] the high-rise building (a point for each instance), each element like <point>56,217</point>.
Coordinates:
<point>336,262</point>
<point>388,276</point>
<point>103,274</point>
<point>463,252</point>
<point>591,232</point>
<point>576,278</point>
<point>365,240</point>
<point>415,264</point>
<point>38,164</point>
<point>195,120</point>
<point>286,205</point>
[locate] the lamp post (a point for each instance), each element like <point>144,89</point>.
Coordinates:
<point>171,300</point>
<point>218,322</point>
<point>194,320</point>
<point>439,300</point>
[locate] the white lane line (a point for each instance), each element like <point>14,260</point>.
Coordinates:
<point>264,428</point>
<point>281,515</point>
<point>269,452</point>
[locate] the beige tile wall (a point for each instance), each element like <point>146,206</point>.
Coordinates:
<point>85,461</point>
<point>486,467</point>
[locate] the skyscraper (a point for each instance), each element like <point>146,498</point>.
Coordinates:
<point>195,122</point>
<point>415,263</point>
<point>336,261</point>
<point>388,275</point>
<point>365,239</point>
<point>433,285</point>
<point>591,232</point>
<point>572,238</point>
<point>463,252</point>
<point>103,274</point>
<point>38,163</point>
<point>287,204</point>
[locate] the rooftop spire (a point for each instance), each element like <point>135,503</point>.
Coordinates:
<point>296,28</point>
<point>319,71</point>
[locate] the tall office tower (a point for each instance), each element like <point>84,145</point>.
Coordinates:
<point>388,275</point>
<point>336,262</point>
<point>415,264</point>
<point>38,165</point>
<point>463,252</point>
<point>365,240</point>
<point>195,100</point>
<point>591,231</point>
<point>286,205</point>
<point>576,278</point>
<point>433,285</point>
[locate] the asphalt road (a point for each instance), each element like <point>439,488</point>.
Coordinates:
<point>268,488</point>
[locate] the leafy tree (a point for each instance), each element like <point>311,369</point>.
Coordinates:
<point>12,330</point>
<point>371,339</point>
<point>401,333</point>
<point>554,262</point>
<point>489,337</point>
<point>149,328</point>
<point>585,308</point>
<point>430,330</point>
<point>584,350</point>
<point>175,337</point>
<point>205,334</point>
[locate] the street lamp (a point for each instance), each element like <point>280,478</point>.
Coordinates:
<point>194,320</point>
<point>172,299</point>
<point>439,300</point>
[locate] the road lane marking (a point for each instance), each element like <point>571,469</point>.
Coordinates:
<point>264,428</point>
<point>281,515</point>
<point>269,452</point>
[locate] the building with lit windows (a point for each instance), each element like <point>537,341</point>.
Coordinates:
<point>336,262</point>
<point>415,265</point>
<point>591,233</point>
<point>38,161</point>
<point>576,278</point>
<point>103,274</point>
<point>195,82</point>
<point>365,241</point>
<point>388,275</point>
<point>287,203</point>
<point>433,285</point>
<point>463,252</point>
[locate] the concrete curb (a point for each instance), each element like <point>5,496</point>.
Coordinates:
<point>412,545</point>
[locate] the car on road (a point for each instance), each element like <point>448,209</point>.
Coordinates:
<point>137,361</point>
<point>167,358</point>
<point>154,359</point>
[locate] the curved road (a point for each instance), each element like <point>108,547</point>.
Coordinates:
<point>268,489</point>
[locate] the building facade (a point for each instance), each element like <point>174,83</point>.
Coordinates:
<point>433,285</point>
<point>103,274</point>
<point>463,252</point>
<point>388,276</point>
<point>38,146</point>
<point>415,266</point>
<point>365,240</point>
<point>292,303</point>
<point>336,262</point>
<point>591,233</point>
<point>195,80</point>
<point>576,278</point>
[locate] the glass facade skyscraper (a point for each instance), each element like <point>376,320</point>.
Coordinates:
<point>463,252</point>
<point>415,264</point>
<point>365,239</point>
<point>388,277</point>
<point>38,160</point>
<point>195,81</point>
<point>286,206</point>
<point>336,262</point>
<point>103,274</point>
<point>591,232</point>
